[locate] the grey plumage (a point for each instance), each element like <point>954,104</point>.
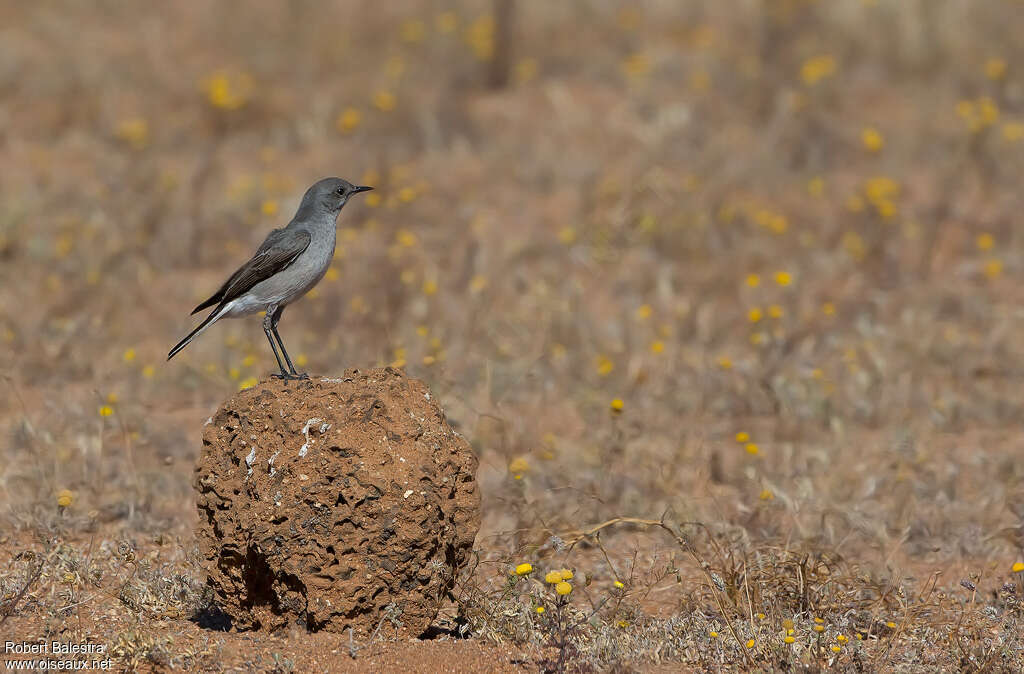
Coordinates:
<point>286,266</point>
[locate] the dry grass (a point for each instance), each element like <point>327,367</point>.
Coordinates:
<point>675,224</point>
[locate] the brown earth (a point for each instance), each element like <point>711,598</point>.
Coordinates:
<point>335,503</point>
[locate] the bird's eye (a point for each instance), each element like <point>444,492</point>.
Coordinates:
<point>341,191</point>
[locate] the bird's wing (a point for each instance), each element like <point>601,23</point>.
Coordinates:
<point>278,251</point>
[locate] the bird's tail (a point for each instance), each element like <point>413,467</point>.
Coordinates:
<point>207,322</point>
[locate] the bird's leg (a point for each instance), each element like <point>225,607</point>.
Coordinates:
<point>268,329</point>
<point>287,359</point>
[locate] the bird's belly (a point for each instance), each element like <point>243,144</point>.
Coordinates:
<point>282,288</point>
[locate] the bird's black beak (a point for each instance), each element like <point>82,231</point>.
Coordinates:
<point>361,188</point>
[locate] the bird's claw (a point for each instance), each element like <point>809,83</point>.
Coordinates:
<point>294,376</point>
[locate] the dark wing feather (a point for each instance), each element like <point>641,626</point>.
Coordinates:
<point>279,250</point>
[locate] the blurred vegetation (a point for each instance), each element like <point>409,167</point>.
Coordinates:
<point>754,265</point>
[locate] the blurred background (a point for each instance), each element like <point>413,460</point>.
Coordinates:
<point>752,263</point>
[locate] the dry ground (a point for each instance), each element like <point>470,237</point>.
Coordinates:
<point>747,272</point>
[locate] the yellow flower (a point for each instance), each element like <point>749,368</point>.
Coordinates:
<point>836,648</point>
<point>128,355</point>
<point>750,643</point>
<point>567,235</point>
<point>429,287</point>
<point>817,68</point>
<point>783,278</point>
<point>480,37</point>
<point>268,207</point>
<point>787,624</point>
<point>753,280</point>
<point>828,308</point>
<point>988,111</point>
<point>995,68</point>
<point>752,448</point>
<point>106,410</point>
<point>539,609</point>
<point>149,372</point>
<point>872,139</point>
<point>724,362</point>
<point>816,186</point>
<point>617,405</point>
<point>622,624</point>
<point>553,577</point>
<point>789,640</point>
<point>775,311</point>
<point>644,312</point>
<point>766,495</point>
<point>566,574</point>
<point>384,101</point>
<point>985,241</point>
<point>891,625</point>
<point>348,119</point>
<point>405,238</point>
<point>713,634</point>
<point>524,569</point>
<point>134,131</point>
<point>993,268</point>
<point>1013,131</point>
<point>604,365</point>
<point>619,584</point>
<point>754,315</point>
<point>248,382</point>
<point>657,346</point>
<point>1018,567</point>
<point>841,638</point>
<point>819,628</point>
<point>407,194</point>
<point>742,437</point>
<point>563,588</point>
<point>301,360</point>
<point>228,90</point>
<point>519,465</point>
<point>819,621</point>
<point>477,284</point>
<point>249,361</point>
<point>332,273</point>
<point>636,65</point>
<point>65,497</point>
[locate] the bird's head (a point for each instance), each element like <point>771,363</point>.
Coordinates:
<point>331,194</point>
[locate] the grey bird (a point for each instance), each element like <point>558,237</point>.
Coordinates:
<point>289,262</point>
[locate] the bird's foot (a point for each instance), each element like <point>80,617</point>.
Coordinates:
<point>294,376</point>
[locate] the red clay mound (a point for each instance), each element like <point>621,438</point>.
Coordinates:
<point>335,503</point>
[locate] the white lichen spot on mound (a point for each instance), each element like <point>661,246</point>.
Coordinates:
<point>407,494</point>
<point>331,380</point>
<point>249,461</point>
<point>270,462</point>
<point>209,420</point>
<point>305,432</point>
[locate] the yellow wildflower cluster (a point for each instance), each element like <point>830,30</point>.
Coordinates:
<point>978,114</point>
<point>228,90</point>
<point>881,192</point>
